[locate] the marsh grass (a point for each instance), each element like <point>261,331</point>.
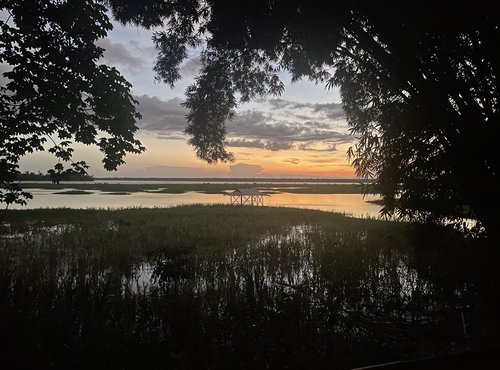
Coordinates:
<point>233,287</point>
<point>74,192</point>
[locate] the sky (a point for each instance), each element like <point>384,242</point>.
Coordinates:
<point>302,133</point>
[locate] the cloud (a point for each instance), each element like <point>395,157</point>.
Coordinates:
<point>4,67</point>
<point>309,147</point>
<point>259,144</point>
<point>191,67</point>
<point>292,160</point>
<point>249,118</point>
<point>170,136</point>
<point>245,170</point>
<point>116,53</point>
<point>276,145</point>
<point>256,125</point>
<point>161,115</point>
<point>242,143</point>
<point>250,128</point>
<point>256,129</point>
<point>333,111</point>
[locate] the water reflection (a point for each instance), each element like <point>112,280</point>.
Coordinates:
<point>352,204</point>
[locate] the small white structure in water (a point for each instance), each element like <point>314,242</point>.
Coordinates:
<point>250,197</point>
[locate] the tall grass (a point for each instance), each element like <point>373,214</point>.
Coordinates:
<point>231,287</point>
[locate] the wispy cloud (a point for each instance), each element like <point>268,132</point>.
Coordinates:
<point>259,144</point>
<point>310,147</point>
<point>332,111</point>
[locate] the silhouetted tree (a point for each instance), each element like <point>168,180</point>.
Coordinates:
<point>56,92</point>
<point>73,175</point>
<point>56,174</point>
<point>419,85</point>
<point>59,173</point>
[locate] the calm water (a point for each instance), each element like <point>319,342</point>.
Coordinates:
<point>352,204</point>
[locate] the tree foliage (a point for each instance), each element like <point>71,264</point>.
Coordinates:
<point>419,85</point>
<point>56,92</point>
<point>59,173</point>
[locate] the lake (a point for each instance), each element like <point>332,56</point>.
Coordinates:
<point>353,204</point>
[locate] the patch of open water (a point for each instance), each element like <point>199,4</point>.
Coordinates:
<point>356,205</point>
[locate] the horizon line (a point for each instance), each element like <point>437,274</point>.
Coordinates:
<point>236,178</point>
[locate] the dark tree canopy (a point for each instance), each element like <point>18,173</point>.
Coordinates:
<point>419,85</point>
<point>56,92</point>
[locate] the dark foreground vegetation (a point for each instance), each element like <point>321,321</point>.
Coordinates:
<point>235,287</point>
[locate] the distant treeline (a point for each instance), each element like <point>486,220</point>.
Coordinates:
<point>239,179</point>
<point>31,176</point>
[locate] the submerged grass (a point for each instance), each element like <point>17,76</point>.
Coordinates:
<point>233,287</point>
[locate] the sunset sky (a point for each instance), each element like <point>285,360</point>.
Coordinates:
<point>302,133</point>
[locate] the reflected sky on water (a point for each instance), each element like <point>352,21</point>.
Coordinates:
<point>352,204</point>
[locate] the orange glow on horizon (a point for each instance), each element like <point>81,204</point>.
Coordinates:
<point>175,158</point>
